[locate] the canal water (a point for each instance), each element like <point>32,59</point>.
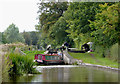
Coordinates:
<point>70,73</point>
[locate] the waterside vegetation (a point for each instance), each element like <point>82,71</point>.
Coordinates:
<point>96,57</point>
<point>21,64</point>
<point>75,23</point>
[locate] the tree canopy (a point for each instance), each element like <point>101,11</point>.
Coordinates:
<point>106,30</point>
<point>12,34</point>
<point>78,23</point>
<point>49,14</point>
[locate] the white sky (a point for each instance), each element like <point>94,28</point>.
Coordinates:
<point>22,13</point>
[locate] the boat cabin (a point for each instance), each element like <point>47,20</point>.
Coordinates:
<point>48,58</point>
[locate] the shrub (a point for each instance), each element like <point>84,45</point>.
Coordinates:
<point>114,52</point>
<point>21,64</point>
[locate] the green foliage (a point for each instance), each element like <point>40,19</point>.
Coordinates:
<point>21,64</point>
<point>97,59</point>
<point>0,37</point>
<point>31,38</point>
<point>80,23</point>
<point>57,34</point>
<point>27,38</point>
<point>105,27</point>
<point>31,54</point>
<point>49,14</point>
<point>112,53</point>
<point>34,37</point>
<point>43,41</point>
<point>77,17</point>
<point>12,34</point>
<point>6,65</point>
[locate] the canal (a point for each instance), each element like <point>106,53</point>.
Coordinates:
<point>69,73</point>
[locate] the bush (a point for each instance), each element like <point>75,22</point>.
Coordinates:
<point>114,52</point>
<point>21,64</point>
<point>111,53</point>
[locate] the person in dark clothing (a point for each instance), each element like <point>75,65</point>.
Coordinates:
<point>85,47</point>
<point>66,45</point>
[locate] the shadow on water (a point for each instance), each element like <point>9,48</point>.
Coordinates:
<point>69,73</point>
<point>24,78</point>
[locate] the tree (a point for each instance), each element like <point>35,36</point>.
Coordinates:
<point>106,30</point>
<point>77,17</point>
<point>27,38</point>
<point>49,14</point>
<point>0,37</point>
<point>12,34</point>
<point>34,37</point>
<point>57,34</point>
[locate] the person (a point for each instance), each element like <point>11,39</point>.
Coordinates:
<point>60,53</point>
<point>48,47</point>
<point>90,43</point>
<point>85,47</point>
<point>66,44</point>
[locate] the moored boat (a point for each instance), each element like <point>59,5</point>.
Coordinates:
<point>48,58</point>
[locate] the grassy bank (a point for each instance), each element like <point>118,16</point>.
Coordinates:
<point>14,63</point>
<point>94,58</point>
<point>31,54</point>
<point>21,64</point>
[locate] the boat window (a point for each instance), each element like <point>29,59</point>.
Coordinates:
<point>52,57</point>
<point>39,57</point>
<point>47,57</point>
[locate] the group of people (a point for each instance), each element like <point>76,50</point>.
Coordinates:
<point>87,47</point>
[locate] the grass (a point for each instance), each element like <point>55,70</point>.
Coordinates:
<point>95,59</point>
<point>21,64</point>
<point>32,53</point>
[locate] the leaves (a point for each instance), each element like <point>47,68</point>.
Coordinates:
<point>105,25</point>
<point>49,25</point>
<point>12,34</point>
<point>77,17</point>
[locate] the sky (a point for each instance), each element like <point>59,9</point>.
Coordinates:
<point>22,13</point>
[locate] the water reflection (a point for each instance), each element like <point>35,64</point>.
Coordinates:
<point>69,73</point>
<point>76,74</point>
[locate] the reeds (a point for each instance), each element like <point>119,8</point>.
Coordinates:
<point>21,64</point>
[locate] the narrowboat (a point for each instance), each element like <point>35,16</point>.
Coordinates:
<point>48,58</point>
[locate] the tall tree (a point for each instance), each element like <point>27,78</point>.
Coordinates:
<point>106,30</point>
<point>49,14</point>
<point>12,34</point>
<point>57,34</point>
<point>27,38</point>
<point>34,37</point>
<point>77,17</point>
